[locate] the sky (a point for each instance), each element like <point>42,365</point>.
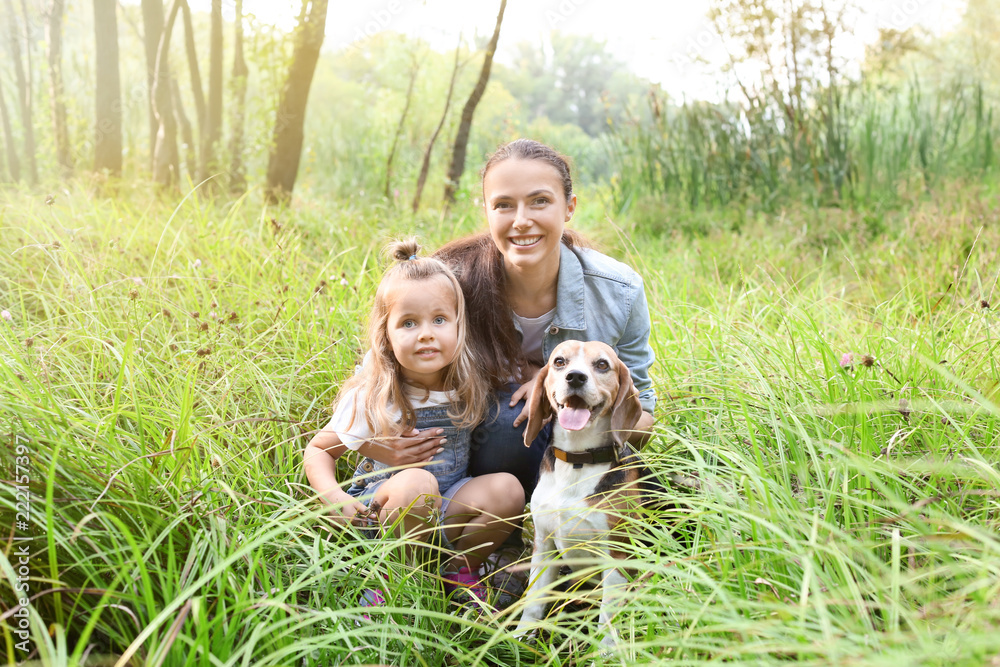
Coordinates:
<point>670,42</point>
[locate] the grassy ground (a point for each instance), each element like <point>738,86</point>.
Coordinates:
<point>828,378</point>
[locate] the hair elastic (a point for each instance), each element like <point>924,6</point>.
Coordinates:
<point>413,256</point>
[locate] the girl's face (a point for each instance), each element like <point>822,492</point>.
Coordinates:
<point>527,211</point>
<point>423,328</point>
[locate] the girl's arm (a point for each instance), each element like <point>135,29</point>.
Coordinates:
<point>320,461</point>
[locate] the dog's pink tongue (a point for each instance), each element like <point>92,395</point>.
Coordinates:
<point>573,419</point>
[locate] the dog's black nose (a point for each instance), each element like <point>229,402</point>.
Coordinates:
<point>576,379</point>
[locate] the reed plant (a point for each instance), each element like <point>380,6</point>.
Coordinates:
<point>854,145</point>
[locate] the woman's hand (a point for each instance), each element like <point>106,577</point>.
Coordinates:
<point>523,393</point>
<point>407,449</point>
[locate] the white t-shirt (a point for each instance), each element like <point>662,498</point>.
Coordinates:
<point>354,435</point>
<point>532,331</point>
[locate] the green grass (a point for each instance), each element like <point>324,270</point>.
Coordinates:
<point>166,361</point>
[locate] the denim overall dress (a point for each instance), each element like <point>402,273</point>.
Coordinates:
<point>448,467</point>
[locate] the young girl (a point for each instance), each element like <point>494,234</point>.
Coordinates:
<point>418,374</point>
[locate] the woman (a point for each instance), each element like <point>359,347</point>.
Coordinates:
<point>530,284</point>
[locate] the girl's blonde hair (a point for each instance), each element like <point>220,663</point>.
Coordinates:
<point>380,380</point>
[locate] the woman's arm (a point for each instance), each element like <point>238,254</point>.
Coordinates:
<point>413,447</point>
<point>635,352</point>
<point>523,393</point>
<point>643,430</point>
<point>406,449</point>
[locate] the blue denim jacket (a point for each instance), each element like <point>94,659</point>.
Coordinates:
<point>599,298</point>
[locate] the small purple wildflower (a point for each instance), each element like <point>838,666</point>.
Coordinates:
<point>5,314</point>
<point>847,361</point>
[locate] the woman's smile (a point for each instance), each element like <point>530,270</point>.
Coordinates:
<point>524,241</point>
<point>527,211</point>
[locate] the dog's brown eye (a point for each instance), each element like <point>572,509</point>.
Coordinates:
<point>558,362</point>
<point>601,365</point>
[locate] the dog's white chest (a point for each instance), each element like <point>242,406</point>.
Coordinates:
<point>560,508</point>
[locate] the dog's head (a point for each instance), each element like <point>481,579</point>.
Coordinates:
<point>582,384</point>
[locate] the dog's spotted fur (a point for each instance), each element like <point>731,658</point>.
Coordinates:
<point>575,507</point>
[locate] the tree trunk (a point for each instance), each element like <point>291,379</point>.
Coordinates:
<point>415,69</point>
<point>425,166</point>
<point>465,125</point>
<point>13,164</point>
<point>56,90</point>
<point>195,72</point>
<point>237,175</point>
<point>213,127</point>
<point>165,159</point>
<point>24,93</point>
<point>286,142</point>
<point>108,102</point>
<point>187,133</point>
<point>29,80</point>
<point>152,28</point>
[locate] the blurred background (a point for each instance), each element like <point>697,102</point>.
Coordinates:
<point>662,106</point>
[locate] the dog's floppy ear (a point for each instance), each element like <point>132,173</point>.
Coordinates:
<point>627,409</point>
<point>539,408</point>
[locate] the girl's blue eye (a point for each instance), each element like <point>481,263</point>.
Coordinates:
<point>439,320</point>
<point>409,324</point>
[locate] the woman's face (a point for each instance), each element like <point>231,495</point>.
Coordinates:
<point>527,211</point>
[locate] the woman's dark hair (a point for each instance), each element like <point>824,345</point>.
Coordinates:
<point>478,264</point>
<point>529,149</point>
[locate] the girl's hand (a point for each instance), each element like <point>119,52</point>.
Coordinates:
<point>523,393</point>
<point>407,449</point>
<point>344,508</point>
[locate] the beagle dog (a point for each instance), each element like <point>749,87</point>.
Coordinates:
<point>587,478</point>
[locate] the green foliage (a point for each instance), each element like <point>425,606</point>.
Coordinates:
<point>355,105</point>
<point>165,361</point>
<point>573,80</point>
<point>854,146</point>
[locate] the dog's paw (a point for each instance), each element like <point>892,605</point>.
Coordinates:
<point>525,634</point>
<point>607,655</point>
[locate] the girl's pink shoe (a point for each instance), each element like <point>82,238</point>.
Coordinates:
<point>462,586</point>
<point>371,597</point>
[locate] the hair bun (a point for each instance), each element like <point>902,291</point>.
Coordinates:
<point>403,250</point>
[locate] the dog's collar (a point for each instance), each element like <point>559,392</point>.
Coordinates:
<point>606,454</point>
